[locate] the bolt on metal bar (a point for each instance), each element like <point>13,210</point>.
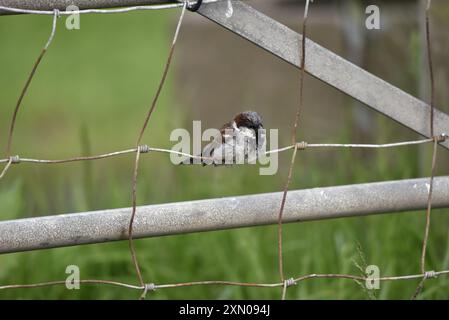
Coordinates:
<point>221,213</point>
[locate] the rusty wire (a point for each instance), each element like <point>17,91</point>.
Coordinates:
<point>420,286</point>
<point>139,149</point>
<point>295,148</point>
<point>430,66</point>
<point>28,82</point>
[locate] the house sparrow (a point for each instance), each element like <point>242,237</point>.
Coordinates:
<point>240,141</point>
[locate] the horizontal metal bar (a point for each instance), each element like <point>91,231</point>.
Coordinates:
<point>327,66</point>
<point>219,214</point>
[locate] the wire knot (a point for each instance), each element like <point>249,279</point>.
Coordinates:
<point>289,282</point>
<point>441,138</point>
<point>150,287</point>
<point>143,148</point>
<point>147,287</point>
<point>14,159</point>
<point>430,274</point>
<point>194,7</point>
<point>301,145</point>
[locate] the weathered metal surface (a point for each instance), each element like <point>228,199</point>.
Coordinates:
<point>219,214</point>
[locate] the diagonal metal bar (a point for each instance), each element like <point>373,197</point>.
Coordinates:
<point>327,66</point>
<point>220,214</point>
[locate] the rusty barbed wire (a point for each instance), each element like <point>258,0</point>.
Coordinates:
<point>139,149</point>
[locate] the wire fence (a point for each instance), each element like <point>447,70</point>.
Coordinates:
<point>284,283</point>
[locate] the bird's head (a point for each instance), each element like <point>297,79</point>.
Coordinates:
<point>249,119</point>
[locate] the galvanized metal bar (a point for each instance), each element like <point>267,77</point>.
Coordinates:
<point>222,213</point>
<point>327,66</point>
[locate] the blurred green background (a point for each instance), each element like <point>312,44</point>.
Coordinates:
<point>90,96</point>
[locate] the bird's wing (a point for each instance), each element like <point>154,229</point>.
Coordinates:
<point>209,149</point>
<point>219,148</point>
<point>227,130</point>
<point>213,149</point>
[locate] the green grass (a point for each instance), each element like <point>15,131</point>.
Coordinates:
<point>90,96</point>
